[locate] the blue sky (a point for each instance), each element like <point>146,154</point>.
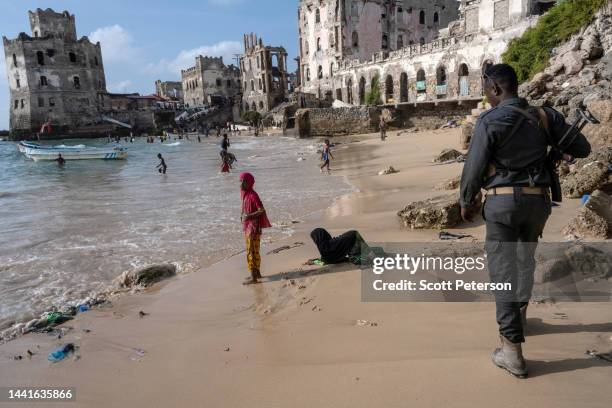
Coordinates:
<point>145,40</point>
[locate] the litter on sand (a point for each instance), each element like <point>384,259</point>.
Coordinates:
<point>448,236</point>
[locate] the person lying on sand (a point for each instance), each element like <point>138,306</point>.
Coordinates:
<point>349,246</point>
<point>254,220</point>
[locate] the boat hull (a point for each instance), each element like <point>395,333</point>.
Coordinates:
<point>50,153</point>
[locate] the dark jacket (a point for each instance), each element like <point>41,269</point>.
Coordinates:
<point>520,159</point>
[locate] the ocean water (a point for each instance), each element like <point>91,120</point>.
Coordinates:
<point>68,231</point>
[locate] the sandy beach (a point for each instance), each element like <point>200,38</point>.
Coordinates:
<point>294,340</point>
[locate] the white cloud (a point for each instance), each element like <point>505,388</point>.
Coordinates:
<point>117,45</point>
<point>121,87</point>
<point>186,58</point>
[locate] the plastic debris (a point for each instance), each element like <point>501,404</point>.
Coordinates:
<point>61,353</point>
<point>448,236</point>
<point>602,356</point>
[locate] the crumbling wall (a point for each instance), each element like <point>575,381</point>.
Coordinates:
<point>431,115</point>
<point>328,122</point>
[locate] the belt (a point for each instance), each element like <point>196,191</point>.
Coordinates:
<point>524,190</point>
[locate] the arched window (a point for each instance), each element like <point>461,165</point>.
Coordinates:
<point>320,72</point>
<point>260,85</point>
<point>72,57</point>
<point>436,18</point>
<point>258,61</point>
<point>349,91</point>
<point>318,44</point>
<point>422,41</point>
<point>96,61</point>
<point>219,82</point>
<point>362,85</point>
<point>400,42</point>
<point>464,80</point>
<point>14,60</point>
<point>252,85</point>
<point>77,82</point>
<point>404,87</point>
<point>441,76</point>
<point>253,107</point>
<point>229,83</point>
<point>355,39</point>
<point>317,16</point>
<point>441,88</point>
<point>486,65</point>
<point>43,81</point>
<point>422,17</point>
<point>389,89</point>
<point>40,56</point>
<point>245,86</point>
<point>261,105</point>
<point>421,85</point>
<point>385,42</point>
<point>308,74</point>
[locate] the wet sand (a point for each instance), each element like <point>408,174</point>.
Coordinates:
<point>294,341</point>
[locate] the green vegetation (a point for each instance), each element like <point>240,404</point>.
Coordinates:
<point>251,117</point>
<point>530,53</point>
<point>372,98</point>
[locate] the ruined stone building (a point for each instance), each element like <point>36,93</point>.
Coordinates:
<point>264,75</point>
<point>332,31</point>
<point>169,90</point>
<point>210,82</point>
<point>446,66</point>
<point>53,75</point>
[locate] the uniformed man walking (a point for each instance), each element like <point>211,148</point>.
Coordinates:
<point>508,158</point>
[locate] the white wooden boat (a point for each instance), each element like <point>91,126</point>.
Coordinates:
<point>38,152</point>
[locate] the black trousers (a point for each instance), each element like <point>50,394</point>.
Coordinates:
<point>514,225</point>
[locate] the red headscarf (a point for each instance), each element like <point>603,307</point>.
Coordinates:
<point>250,204</point>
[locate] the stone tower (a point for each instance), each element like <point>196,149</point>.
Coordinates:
<point>53,76</point>
<point>264,75</point>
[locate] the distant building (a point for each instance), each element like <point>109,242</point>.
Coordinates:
<point>264,75</point>
<point>52,75</point>
<point>333,31</point>
<point>169,90</point>
<point>209,82</point>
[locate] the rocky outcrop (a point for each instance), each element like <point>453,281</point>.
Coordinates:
<point>387,171</point>
<point>435,213</point>
<point>450,184</point>
<point>581,261</point>
<point>448,155</point>
<point>587,175</point>
<point>578,76</point>
<point>467,132</point>
<point>147,276</point>
<point>594,219</point>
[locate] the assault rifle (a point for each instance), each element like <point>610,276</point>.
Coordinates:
<point>558,150</point>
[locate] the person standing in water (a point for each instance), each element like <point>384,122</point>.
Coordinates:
<point>254,220</point>
<point>60,160</point>
<point>162,164</point>
<point>325,155</point>
<point>225,143</point>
